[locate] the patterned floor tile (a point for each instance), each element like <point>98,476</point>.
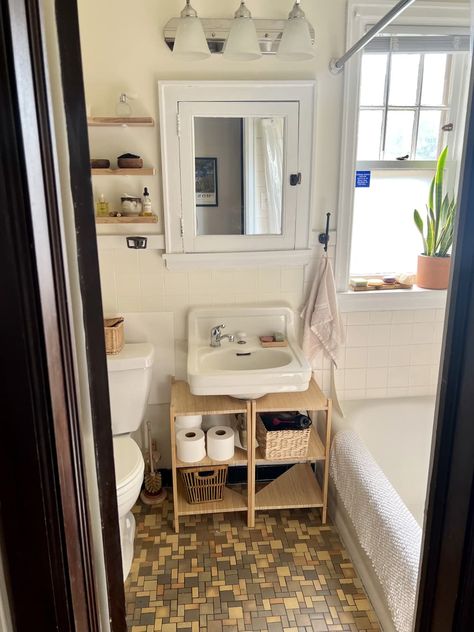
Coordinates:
<point>289,574</point>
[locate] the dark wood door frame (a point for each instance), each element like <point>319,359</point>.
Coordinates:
<point>446,594</point>
<point>88,264</point>
<point>43,510</point>
<point>44,521</point>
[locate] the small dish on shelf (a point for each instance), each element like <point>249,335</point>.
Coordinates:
<point>100,163</point>
<point>129,161</point>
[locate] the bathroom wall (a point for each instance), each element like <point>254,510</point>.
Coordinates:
<point>387,353</point>
<point>123,50</point>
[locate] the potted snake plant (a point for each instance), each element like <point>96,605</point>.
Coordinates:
<point>437,234</point>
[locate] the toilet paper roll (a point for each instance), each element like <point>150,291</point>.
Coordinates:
<point>220,443</point>
<point>190,445</point>
<point>184,422</point>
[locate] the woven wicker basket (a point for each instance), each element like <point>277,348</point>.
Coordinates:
<point>113,328</point>
<point>282,444</point>
<point>204,484</point>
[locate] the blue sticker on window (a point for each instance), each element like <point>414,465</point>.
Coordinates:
<point>362,179</point>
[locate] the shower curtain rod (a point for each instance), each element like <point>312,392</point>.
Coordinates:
<point>337,65</point>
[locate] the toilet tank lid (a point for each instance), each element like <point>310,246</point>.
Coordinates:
<point>137,355</point>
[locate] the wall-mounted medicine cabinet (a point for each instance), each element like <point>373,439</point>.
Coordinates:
<point>237,171</point>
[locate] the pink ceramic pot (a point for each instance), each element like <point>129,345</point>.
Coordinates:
<point>433,272</point>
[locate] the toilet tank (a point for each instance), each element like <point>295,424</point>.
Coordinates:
<point>129,385</point>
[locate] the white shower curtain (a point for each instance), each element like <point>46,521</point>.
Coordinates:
<point>272,141</point>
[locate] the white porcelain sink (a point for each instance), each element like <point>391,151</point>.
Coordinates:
<point>246,371</point>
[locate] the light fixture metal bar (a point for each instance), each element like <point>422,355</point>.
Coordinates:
<point>216,30</point>
<point>336,65</point>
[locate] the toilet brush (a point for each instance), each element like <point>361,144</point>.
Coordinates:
<point>153,492</point>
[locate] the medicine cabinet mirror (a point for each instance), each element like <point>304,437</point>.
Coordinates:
<point>237,171</point>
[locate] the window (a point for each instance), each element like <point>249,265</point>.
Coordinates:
<point>404,102</point>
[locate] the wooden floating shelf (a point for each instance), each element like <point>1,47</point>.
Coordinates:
<point>297,487</point>
<point>136,219</point>
<point>144,171</point>
<point>315,452</point>
<point>120,121</point>
<point>231,501</point>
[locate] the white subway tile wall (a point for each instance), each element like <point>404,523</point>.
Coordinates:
<point>398,358</point>
<point>386,354</point>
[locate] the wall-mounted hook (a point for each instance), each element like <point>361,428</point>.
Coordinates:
<point>324,237</point>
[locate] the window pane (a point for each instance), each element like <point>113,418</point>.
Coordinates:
<point>434,74</point>
<point>372,83</point>
<point>404,79</point>
<point>384,237</point>
<point>428,135</point>
<point>370,129</point>
<point>399,134</point>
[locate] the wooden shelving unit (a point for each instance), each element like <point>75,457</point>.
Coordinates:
<point>136,219</point>
<point>183,402</point>
<point>144,171</point>
<point>297,487</point>
<point>120,121</point>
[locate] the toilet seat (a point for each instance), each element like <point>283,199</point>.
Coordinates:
<point>129,463</point>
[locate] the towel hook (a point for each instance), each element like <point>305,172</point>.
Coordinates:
<point>324,237</point>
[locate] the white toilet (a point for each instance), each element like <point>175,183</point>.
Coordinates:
<point>129,386</point>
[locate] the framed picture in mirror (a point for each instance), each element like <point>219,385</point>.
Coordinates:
<point>206,181</point>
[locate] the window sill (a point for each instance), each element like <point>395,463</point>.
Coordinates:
<point>417,298</point>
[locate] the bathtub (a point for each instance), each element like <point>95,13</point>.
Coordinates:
<point>380,456</point>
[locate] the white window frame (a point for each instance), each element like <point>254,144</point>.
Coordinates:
<point>360,16</point>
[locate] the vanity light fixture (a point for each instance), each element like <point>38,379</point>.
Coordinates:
<point>296,44</point>
<point>240,38</point>
<point>190,42</point>
<point>242,43</point>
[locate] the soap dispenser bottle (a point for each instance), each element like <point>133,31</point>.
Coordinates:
<point>146,203</point>
<point>102,207</point>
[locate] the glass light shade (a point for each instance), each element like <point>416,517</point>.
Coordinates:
<point>190,42</point>
<point>296,42</point>
<point>242,43</point>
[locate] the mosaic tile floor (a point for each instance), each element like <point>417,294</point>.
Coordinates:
<point>289,574</point>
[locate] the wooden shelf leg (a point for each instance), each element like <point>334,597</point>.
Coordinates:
<point>327,447</point>
<point>174,470</point>
<point>251,464</point>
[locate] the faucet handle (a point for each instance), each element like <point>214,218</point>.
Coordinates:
<point>217,328</point>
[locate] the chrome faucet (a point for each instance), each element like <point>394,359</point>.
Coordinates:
<point>216,336</point>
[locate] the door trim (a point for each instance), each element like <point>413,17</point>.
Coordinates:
<point>447,570</point>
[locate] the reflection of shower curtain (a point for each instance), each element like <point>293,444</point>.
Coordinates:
<point>272,137</point>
